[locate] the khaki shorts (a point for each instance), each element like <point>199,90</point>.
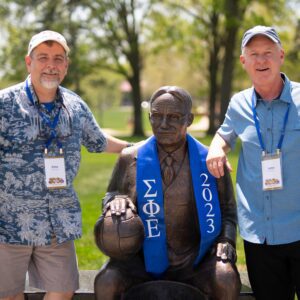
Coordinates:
<point>51,268</point>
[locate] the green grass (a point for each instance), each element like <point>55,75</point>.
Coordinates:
<point>91,183</point>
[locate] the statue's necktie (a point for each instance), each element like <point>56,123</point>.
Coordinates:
<point>168,172</point>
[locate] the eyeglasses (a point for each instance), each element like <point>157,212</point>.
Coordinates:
<point>170,118</point>
<point>58,60</point>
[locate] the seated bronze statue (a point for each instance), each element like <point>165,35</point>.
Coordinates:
<point>164,216</point>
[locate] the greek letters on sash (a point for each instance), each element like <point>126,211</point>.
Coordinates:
<point>151,208</point>
<point>151,203</point>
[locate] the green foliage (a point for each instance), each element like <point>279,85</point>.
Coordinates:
<point>11,54</point>
<point>170,41</point>
<point>29,17</point>
<point>102,90</point>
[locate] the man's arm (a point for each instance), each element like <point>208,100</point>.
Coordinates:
<point>115,145</point>
<point>216,157</point>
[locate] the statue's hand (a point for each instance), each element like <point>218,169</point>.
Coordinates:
<point>118,205</point>
<point>226,252</point>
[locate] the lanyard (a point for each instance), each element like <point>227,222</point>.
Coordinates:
<point>256,121</point>
<point>51,124</point>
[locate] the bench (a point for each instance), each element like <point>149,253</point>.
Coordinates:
<point>86,291</point>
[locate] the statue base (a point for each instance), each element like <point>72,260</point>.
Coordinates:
<point>163,289</point>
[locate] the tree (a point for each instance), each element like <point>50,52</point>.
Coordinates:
<point>234,14</point>
<point>207,31</point>
<point>118,35</point>
<point>101,34</point>
<point>116,27</point>
<point>35,16</point>
<point>214,28</point>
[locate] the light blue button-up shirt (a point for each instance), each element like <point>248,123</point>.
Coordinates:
<point>31,214</point>
<point>271,216</point>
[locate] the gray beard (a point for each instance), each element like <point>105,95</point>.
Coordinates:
<point>50,84</point>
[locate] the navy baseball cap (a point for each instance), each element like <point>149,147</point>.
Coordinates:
<point>269,32</point>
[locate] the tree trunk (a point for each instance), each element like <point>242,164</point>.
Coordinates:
<point>134,80</point>
<point>234,15</point>
<point>137,111</point>
<point>213,72</point>
<point>227,74</point>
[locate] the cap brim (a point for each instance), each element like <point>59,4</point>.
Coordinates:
<point>247,40</point>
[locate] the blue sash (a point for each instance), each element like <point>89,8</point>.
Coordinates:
<point>151,203</point>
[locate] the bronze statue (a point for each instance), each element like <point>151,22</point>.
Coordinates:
<point>184,228</point>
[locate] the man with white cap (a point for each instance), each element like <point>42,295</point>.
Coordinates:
<point>43,126</point>
<point>266,119</point>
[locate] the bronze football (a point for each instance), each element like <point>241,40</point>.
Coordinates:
<point>119,237</point>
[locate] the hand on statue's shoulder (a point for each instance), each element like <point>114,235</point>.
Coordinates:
<point>131,152</point>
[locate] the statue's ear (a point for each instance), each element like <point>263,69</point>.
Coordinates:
<point>190,119</point>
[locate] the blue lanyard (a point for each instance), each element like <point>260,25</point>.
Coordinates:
<point>52,124</point>
<point>256,121</point>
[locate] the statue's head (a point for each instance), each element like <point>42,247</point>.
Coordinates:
<point>170,115</point>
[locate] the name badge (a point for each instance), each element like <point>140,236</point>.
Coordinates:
<point>272,172</point>
<point>55,172</point>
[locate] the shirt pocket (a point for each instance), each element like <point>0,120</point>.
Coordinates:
<point>296,125</point>
<point>291,139</point>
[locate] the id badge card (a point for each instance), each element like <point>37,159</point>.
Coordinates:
<point>55,172</point>
<point>272,172</point>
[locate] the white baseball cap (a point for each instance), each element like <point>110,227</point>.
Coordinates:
<point>47,35</point>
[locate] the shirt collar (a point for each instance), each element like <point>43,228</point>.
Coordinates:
<point>285,94</point>
<point>177,155</point>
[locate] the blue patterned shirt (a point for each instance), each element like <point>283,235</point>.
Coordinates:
<point>274,215</point>
<point>31,214</point>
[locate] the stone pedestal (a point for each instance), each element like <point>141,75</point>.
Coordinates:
<point>162,289</point>
<point>86,291</point>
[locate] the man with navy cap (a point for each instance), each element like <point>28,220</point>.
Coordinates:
<point>43,126</point>
<point>265,117</point>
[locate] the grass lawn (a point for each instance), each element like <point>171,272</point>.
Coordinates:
<point>91,184</point>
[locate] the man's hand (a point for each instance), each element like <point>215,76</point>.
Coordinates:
<point>118,205</point>
<point>216,161</point>
<point>226,252</point>
<point>216,158</point>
